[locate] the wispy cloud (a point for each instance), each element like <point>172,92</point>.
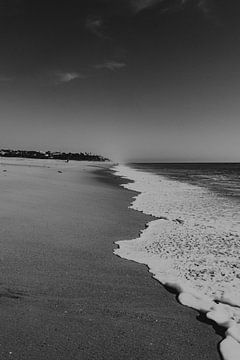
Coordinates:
<point>4,78</point>
<point>66,77</point>
<point>204,6</point>
<point>139,5</point>
<point>168,5</point>
<point>110,65</point>
<point>94,24</point>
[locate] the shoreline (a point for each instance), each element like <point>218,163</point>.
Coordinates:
<point>214,310</point>
<point>64,294</point>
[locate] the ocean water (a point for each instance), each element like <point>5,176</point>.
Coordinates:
<point>221,177</point>
<point>194,244</point>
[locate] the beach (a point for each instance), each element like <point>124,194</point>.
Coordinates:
<point>64,294</point>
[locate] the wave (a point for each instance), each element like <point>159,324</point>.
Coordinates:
<point>193,247</point>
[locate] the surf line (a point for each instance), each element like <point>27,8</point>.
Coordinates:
<point>220,311</point>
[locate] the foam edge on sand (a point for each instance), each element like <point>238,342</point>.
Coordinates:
<point>218,310</point>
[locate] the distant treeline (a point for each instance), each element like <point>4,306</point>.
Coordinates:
<point>52,155</point>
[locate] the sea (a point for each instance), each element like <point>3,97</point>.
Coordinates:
<point>193,244</point>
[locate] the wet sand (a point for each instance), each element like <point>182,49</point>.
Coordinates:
<point>63,294</point>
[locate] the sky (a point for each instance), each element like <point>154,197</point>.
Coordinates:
<point>133,80</point>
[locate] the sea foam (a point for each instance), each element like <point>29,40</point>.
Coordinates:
<point>193,247</point>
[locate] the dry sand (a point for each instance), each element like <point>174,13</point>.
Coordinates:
<point>63,294</point>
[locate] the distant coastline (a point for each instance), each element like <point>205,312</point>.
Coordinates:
<point>56,155</point>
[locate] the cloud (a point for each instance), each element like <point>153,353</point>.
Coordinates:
<point>94,24</point>
<point>203,5</point>
<point>139,5</point>
<point>4,78</point>
<point>65,77</point>
<point>168,5</point>
<point>110,65</point>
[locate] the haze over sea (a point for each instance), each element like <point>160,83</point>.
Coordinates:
<point>194,245</point>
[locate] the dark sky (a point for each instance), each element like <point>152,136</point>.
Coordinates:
<point>130,79</point>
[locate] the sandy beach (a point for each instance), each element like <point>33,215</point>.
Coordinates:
<point>64,294</point>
